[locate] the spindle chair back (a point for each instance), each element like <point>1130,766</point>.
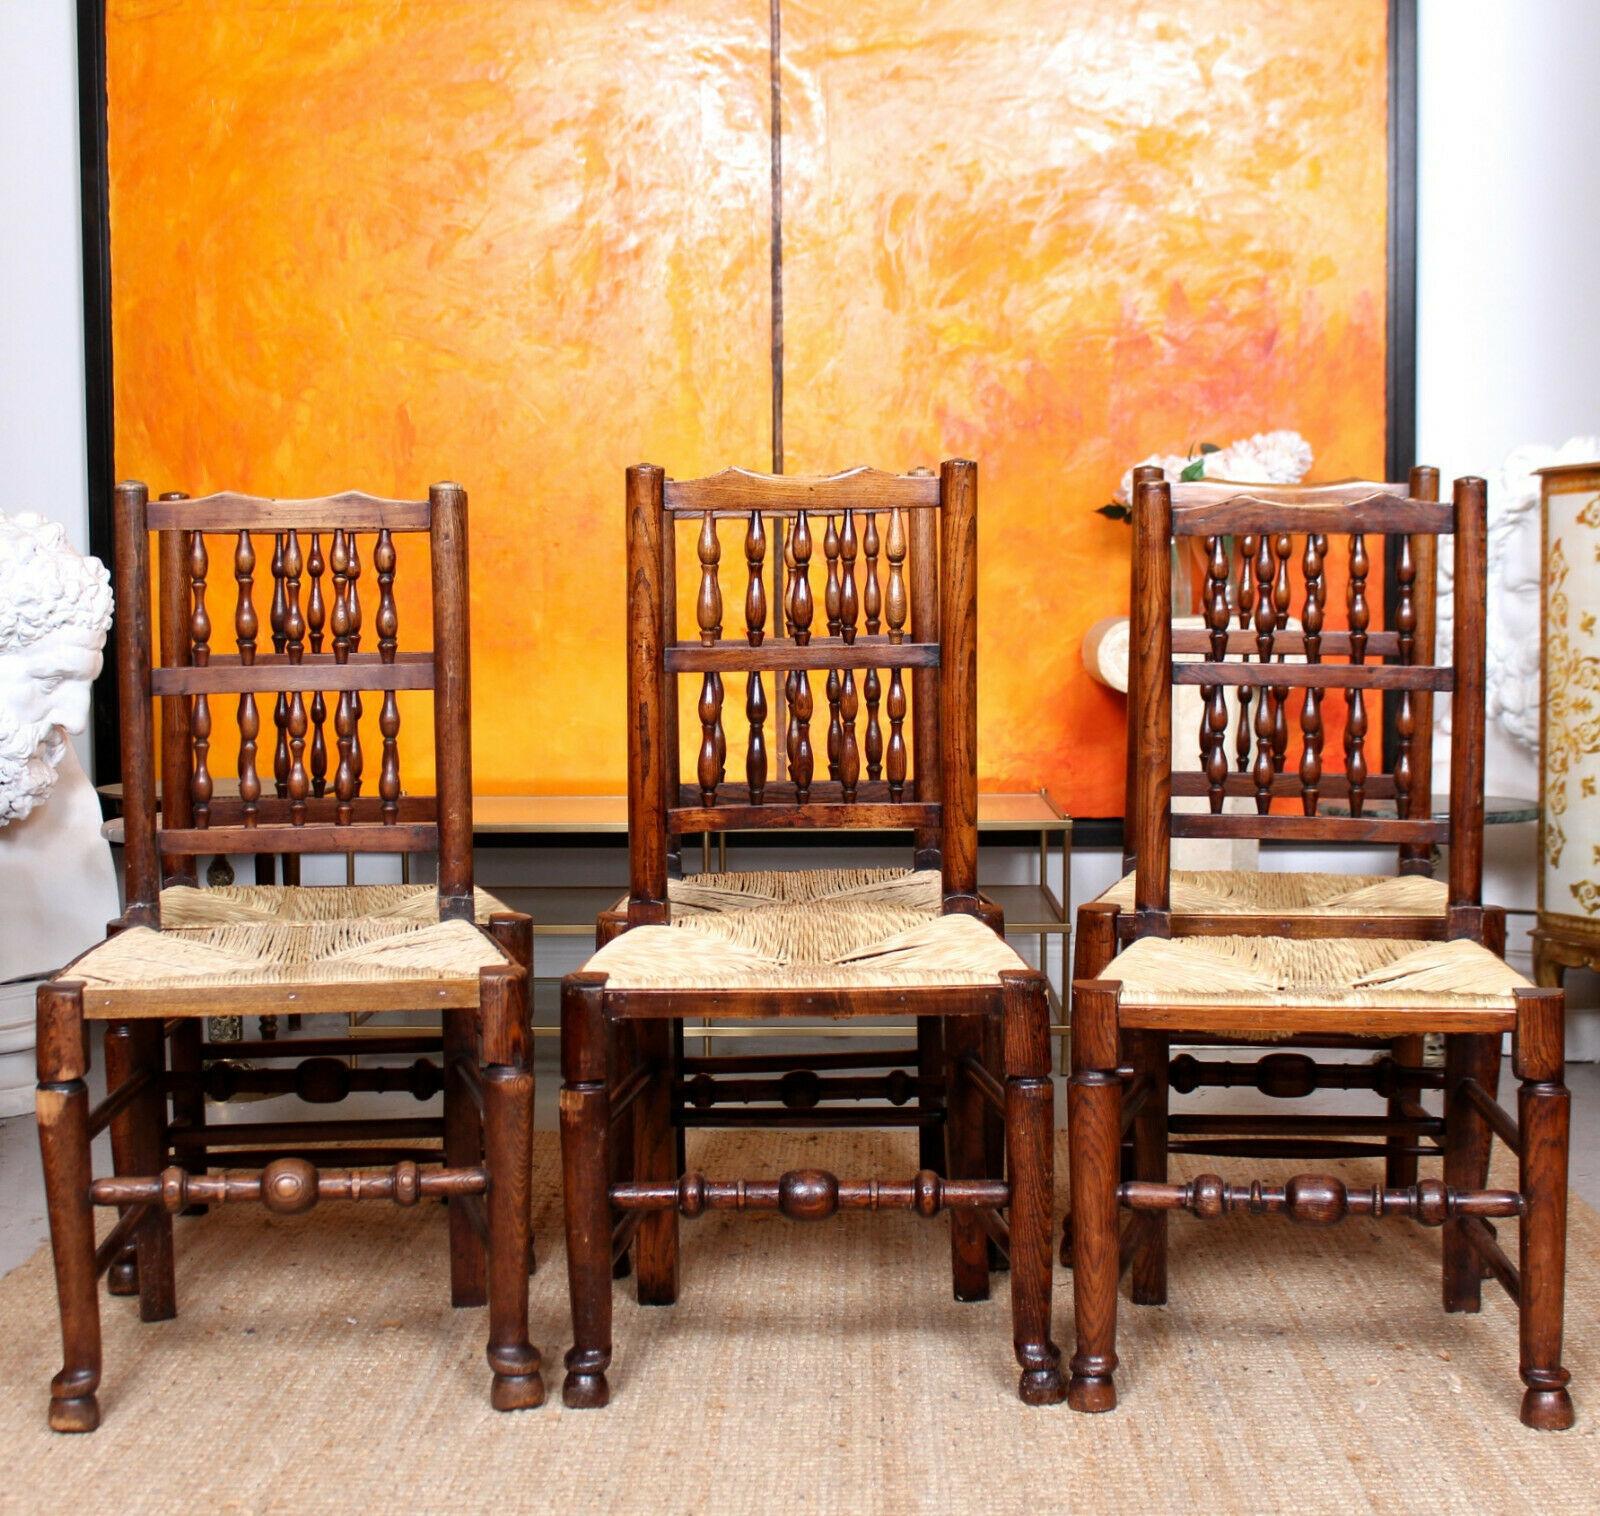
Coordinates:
<point>1276,547</point>
<point>841,587</point>
<point>312,694</point>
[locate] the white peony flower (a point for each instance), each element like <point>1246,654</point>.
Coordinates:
<point>1281,457</point>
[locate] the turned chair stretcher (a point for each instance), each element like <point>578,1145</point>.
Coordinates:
<point>1165,964</point>
<point>180,954</point>
<point>895,565</point>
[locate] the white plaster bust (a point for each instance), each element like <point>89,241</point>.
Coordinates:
<point>56,875</point>
<point>55,606</point>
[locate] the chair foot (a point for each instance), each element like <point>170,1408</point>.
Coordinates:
<point>1041,1382</point>
<point>1092,1393</point>
<point>1547,1410</point>
<point>122,1278</point>
<point>586,1388</point>
<point>81,1413</point>
<point>517,1392</point>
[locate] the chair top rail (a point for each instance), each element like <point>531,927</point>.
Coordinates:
<point>229,511</point>
<point>1337,509</point>
<point>737,492</point>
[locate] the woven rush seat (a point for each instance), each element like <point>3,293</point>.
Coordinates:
<point>1376,973</point>
<point>909,889</point>
<point>185,905</point>
<point>807,947</point>
<point>1244,892</point>
<point>138,971</point>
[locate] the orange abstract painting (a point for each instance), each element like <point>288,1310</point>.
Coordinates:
<point>523,243</point>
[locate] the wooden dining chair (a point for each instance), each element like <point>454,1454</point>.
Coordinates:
<point>179,954</point>
<point>898,671</point>
<point>1245,747</point>
<point>1354,981</point>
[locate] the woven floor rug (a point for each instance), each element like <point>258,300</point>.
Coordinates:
<point>315,1366</point>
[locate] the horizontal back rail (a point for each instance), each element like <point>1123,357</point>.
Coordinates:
<point>785,653</point>
<point>1291,643</point>
<point>813,815</point>
<point>1346,676</point>
<point>230,512</point>
<point>396,837</point>
<point>1347,829</point>
<point>272,672</point>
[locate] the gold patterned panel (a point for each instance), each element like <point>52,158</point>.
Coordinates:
<point>1569,840</point>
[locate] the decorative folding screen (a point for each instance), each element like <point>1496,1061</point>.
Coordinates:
<point>523,243</point>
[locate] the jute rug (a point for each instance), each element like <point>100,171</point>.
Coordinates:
<point>315,1366</point>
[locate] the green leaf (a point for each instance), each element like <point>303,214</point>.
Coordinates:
<point>1114,511</point>
<point>1193,471</point>
<point>1209,447</point>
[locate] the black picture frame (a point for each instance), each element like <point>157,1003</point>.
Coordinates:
<point>1399,378</point>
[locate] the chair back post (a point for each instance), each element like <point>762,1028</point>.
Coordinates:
<point>141,865</point>
<point>958,683</point>
<point>1150,699</point>
<point>452,714</point>
<point>647,682</point>
<point>926,578</point>
<point>1423,484</point>
<point>177,804</point>
<point>1146,473</point>
<point>1467,701</point>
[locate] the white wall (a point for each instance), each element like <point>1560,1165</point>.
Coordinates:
<point>1508,226</point>
<point>41,284</point>
<point>1508,296</point>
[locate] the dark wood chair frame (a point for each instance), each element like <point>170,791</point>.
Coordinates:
<point>481,1163</point>
<point>626,1098</point>
<point>1112,1094</point>
<point>1405,1132</point>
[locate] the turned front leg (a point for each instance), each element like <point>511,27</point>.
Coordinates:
<point>586,1169</point>
<point>508,1133</point>
<point>62,1103</point>
<point>1030,1139</point>
<point>1094,945</point>
<point>1544,1113</point>
<point>1094,1130</point>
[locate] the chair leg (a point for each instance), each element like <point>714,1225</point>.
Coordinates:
<point>189,1106</point>
<point>62,1103</point>
<point>624,1059</point>
<point>1094,1132</point>
<point>1094,945</point>
<point>1148,1281</point>
<point>994,1123</point>
<point>508,1133</point>
<point>514,932</point>
<point>1030,1144</point>
<point>586,1168</point>
<point>1400,1169</point>
<point>654,1160</point>
<point>463,1148</point>
<point>969,1244</point>
<point>143,1144</point>
<point>1544,1111</point>
<point>931,1072</point>
<point>122,1278</point>
<point>1467,1144</point>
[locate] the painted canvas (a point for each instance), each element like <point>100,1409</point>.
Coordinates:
<point>523,243</point>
